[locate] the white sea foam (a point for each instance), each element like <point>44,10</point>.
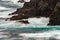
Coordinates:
<point>41,20</point>
<point>4,8</point>
<point>14,1</point>
<point>55,34</point>
<point>5,13</point>
<point>33,23</point>
<point>27,0</point>
<point>7,23</point>
<point>3,36</point>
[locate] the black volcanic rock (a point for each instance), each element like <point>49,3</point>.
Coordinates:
<point>35,8</point>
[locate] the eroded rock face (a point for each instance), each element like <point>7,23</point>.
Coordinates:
<point>35,8</point>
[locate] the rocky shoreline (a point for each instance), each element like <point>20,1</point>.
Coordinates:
<point>39,8</point>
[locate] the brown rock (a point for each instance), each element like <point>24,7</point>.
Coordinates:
<point>34,8</point>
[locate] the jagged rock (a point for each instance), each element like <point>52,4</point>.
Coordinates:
<point>35,8</point>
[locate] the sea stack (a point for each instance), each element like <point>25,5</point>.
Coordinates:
<point>35,8</point>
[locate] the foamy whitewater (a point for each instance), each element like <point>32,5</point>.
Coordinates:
<point>11,30</point>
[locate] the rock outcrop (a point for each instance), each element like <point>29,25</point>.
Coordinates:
<point>36,8</point>
<point>55,16</point>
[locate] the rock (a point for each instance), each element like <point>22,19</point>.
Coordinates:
<point>55,17</point>
<point>34,8</point>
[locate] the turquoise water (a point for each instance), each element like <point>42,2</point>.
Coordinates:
<point>29,29</point>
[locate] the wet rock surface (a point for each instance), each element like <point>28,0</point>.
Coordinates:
<point>38,8</point>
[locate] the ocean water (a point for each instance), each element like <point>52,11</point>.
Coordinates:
<point>14,30</point>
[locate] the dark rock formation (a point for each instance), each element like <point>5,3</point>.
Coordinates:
<point>35,8</point>
<point>55,17</point>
